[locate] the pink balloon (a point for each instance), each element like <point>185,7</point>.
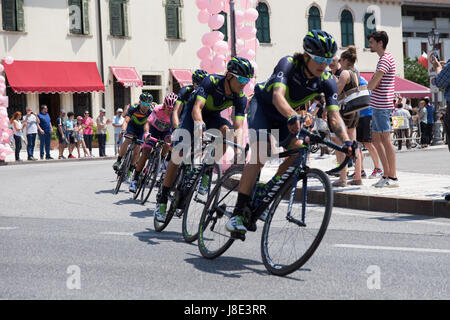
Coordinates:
<point>2,156</point>
<point>205,64</point>
<point>10,132</point>
<point>203,16</point>
<point>239,16</point>
<point>216,21</point>
<point>202,4</point>
<point>9,60</point>
<point>215,6</point>
<point>8,149</point>
<point>247,53</point>
<point>206,40</point>
<point>255,66</point>
<point>2,79</point>
<point>4,101</point>
<point>226,6</point>
<point>3,112</point>
<point>2,68</point>
<point>251,15</point>
<point>204,52</point>
<point>218,64</point>
<point>246,4</point>
<point>5,136</point>
<point>221,47</point>
<point>247,32</point>
<point>252,44</point>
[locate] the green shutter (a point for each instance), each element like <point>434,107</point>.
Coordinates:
<point>125,18</point>
<point>224,28</point>
<point>263,23</point>
<point>347,28</point>
<point>73,16</point>
<point>20,16</point>
<point>9,15</point>
<point>115,11</point>
<point>172,22</point>
<point>85,16</point>
<point>367,30</point>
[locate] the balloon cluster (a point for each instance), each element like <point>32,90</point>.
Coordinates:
<point>215,52</point>
<point>5,131</point>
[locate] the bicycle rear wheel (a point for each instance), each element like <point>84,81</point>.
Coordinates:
<point>213,238</point>
<point>150,177</point>
<point>286,244</point>
<point>195,202</point>
<point>123,171</point>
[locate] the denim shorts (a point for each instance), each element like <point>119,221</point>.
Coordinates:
<point>381,120</point>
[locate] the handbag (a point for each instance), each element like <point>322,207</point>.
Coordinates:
<point>355,99</point>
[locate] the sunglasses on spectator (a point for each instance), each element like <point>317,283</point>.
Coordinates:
<point>320,60</point>
<point>240,79</point>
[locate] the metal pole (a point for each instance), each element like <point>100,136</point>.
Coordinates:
<point>233,28</point>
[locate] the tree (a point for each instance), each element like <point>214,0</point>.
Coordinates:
<point>416,72</point>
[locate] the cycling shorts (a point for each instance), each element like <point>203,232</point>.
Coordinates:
<point>155,133</point>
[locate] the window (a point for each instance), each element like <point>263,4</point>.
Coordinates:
<point>118,14</point>
<point>369,27</point>
<point>263,23</point>
<point>122,95</point>
<point>422,35</point>
<point>408,35</point>
<point>347,28</point>
<point>12,15</point>
<point>17,101</point>
<point>81,103</point>
<point>424,47</point>
<point>224,28</point>
<point>152,83</point>
<point>79,16</point>
<point>173,19</point>
<point>151,80</point>
<point>314,19</point>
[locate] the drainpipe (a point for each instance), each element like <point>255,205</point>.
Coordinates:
<point>100,37</point>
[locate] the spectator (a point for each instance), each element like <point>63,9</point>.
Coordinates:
<point>102,123</point>
<point>17,129</point>
<point>88,132</point>
<point>32,130</point>
<point>407,105</point>
<point>423,118</point>
<point>70,133</point>
<point>61,133</point>
<point>79,137</point>
<point>381,100</point>
<point>45,132</point>
<point>335,67</point>
<point>430,120</point>
<point>402,131</point>
<point>442,80</point>
<point>117,124</point>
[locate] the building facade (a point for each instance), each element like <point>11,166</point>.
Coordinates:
<point>159,38</point>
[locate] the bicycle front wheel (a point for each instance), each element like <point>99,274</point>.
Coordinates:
<point>150,177</point>
<point>123,171</point>
<point>289,239</point>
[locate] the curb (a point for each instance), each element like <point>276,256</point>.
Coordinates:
<point>26,162</point>
<point>432,208</point>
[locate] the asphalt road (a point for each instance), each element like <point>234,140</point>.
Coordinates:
<point>64,235</point>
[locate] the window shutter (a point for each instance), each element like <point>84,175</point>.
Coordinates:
<point>180,22</point>
<point>75,16</point>
<point>369,27</point>
<point>224,28</point>
<point>125,19</point>
<point>115,18</point>
<point>172,22</point>
<point>85,16</point>
<point>9,15</point>
<point>20,16</point>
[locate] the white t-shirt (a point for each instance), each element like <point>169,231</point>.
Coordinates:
<point>18,124</point>
<point>118,120</point>
<point>31,124</point>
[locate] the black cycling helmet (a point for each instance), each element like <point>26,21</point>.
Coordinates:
<point>146,97</point>
<point>320,43</point>
<point>198,76</point>
<point>240,67</point>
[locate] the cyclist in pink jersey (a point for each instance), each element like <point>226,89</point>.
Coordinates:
<point>158,126</point>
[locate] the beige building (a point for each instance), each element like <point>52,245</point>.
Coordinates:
<point>157,38</point>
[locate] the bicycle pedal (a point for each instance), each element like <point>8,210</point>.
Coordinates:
<point>238,235</point>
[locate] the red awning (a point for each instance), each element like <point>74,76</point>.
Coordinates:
<point>53,76</point>
<point>183,76</point>
<point>127,76</point>
<point>404,87</point>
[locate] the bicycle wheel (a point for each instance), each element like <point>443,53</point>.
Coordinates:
<point>173,199</point>
<point>213,238</point>
<point>195,202</point>
<point>143,179</point>
<point>150,177</point>
<point>286,244</point>
<point>414,139</point>
<point>123,171</point>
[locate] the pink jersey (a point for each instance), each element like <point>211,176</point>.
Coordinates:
<point>159,119</point>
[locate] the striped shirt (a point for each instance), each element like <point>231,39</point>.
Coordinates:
<point>383,96</point>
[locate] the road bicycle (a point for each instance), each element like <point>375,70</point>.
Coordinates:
<point>123,171</point>
<point>296,221</point>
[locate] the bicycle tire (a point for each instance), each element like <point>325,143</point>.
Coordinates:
<point>190,218</point>
<point>123,171</point>
<point>322,224</point>
<point>149,180</point>
<point>173,197</point>
<point>226,182</point>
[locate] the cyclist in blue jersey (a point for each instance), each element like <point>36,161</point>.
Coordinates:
<point>184,94</point>
<point>133,125</point>
<point>214,94</point>
<point>295,81</point>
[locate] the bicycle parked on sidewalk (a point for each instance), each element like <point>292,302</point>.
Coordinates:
<point>288,239</point>
<point>123,173</point>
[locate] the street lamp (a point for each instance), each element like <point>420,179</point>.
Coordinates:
<point>433,40</point>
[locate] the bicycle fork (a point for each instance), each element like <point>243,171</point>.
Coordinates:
<point>289,218</point>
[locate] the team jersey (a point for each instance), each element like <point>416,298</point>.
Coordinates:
<point>290,74</point>
<point>212,91</point>
<point>184,94</point>
<point>159,119</point>
<point>136,117</point>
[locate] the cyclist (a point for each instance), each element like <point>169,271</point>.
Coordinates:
<point>214,94</point>
<point>184,95</point>
<point>133,125</point>
<point>295,81</point>
<point>158,127</point>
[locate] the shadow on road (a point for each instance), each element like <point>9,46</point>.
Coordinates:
<point>150,236</point>
<point>105,191</point>
<point>146,213</point>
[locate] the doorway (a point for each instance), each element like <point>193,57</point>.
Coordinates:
<point>53,102</point>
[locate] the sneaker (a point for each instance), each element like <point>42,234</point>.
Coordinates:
<point>392,183</point>
<point>376,173</point>
<point>116,165</point>
<point>133,186</point>
<point>61,157</point>
<point>236,224</point>
<point>203,189</point>
<point>160,212</point>
<point>381,183</point>
<point>72,157</point>
<point>49,158</point>
<point>363,175</point>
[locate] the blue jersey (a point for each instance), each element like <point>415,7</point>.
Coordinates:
<point>367,112</point>
<point>184,94</point>
<point>212,91</point>
<point>137,118</point>
<point>290,74</point>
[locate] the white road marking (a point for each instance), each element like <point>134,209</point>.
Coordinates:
<point>354,246</point>
<point>8,228</point>
<point>391,218</point>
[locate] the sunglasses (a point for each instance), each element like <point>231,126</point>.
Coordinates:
<point>240,79</point>
<point>320,60</point>
<point>145,104</point>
